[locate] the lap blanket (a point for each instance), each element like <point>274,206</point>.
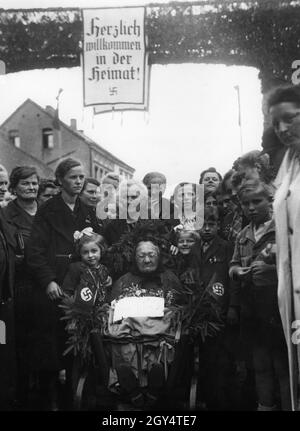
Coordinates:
<point>142,342</point>
<point>137,327</point>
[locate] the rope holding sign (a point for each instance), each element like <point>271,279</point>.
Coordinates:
<point>93,119</point>
<point>2,67</point>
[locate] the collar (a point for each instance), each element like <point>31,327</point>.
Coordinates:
<point>269,226</point>
<point>14,211</point>
<point>211,247</point>
<point>56,203</point>
<point>264,227</point>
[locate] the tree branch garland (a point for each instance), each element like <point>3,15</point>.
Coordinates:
<point>261,34</point>
<point>201,315</point>
<point>79,325</point>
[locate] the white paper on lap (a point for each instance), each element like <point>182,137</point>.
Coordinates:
<point>132,306</point>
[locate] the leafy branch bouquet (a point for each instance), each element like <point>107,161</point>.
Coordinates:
<point>201,314</point>
<point>80,323</point>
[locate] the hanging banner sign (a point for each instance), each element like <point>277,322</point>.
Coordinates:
<point>100,109</point>
<point>114,58</point>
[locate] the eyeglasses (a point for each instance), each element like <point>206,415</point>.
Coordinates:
<point>150,255</point>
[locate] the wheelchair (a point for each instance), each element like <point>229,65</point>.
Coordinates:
<point>95,384</point>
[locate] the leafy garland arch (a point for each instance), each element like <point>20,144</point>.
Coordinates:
<point>264,34</point>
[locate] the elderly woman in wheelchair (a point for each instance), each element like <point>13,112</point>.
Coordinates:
<point>144,325</point>
<point>144,340</point>
<point>133,339</point>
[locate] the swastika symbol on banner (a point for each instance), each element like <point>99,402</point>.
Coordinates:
<point>86,294</point>
<point>113,91</point>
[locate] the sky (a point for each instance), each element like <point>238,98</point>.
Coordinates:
<point>192,122</point>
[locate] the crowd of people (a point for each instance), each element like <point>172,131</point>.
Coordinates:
<point>223,250</point>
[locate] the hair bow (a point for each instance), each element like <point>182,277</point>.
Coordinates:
<point>88,231</point>
<point>178,228</point>
<point>186,227</point>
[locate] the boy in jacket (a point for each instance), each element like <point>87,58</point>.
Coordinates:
<point>216,370</point>
<point>253,266</point>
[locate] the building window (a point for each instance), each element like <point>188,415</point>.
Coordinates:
<point>14,138</point>
<point>96,172</point>
<point>48,140</point>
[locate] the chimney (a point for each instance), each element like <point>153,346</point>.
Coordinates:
<point>50,109</point>
<point>73,124</point>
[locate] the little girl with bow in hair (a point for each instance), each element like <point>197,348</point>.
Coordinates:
<point>88,280</point>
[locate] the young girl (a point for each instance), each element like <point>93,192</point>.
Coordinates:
<point>88,279</point>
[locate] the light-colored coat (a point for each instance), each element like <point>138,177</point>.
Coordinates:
<point>287,221</point>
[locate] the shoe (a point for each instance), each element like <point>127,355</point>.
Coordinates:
<point>129,383</point>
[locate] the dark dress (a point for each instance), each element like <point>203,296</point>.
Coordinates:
<point>19,224</point>
<point>7,261</point>
<point>87,285</point>
<point>7,356</point>
<point>49,254</point>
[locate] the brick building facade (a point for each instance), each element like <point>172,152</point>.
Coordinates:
<point>33,135</point>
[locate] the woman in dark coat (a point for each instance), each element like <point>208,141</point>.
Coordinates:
<point>19,215</point>
<point>49,254</point>
<point>7,270</point>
